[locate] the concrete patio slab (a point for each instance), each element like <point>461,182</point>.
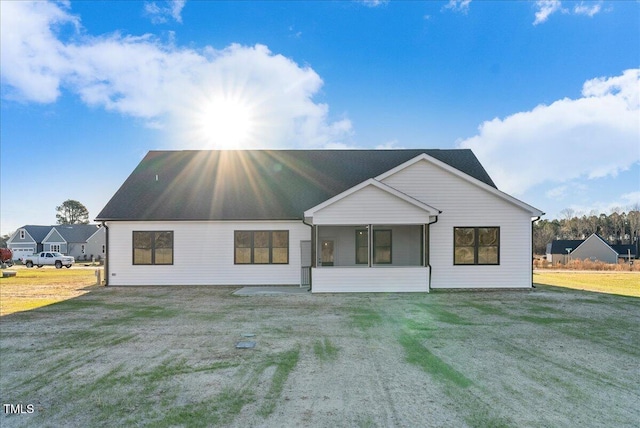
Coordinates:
<point>270,291</point>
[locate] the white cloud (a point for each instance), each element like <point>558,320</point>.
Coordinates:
<point>545,9</point>
<point>164,84</point>
<point>161,14</point>
<point>374,3</point>
<point>458,5</point>
<point>32,59</point>
<point>588,9</point>
<point>624,203</point>
<point>590,137</point>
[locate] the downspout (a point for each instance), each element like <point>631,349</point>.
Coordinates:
<point>428,245</point>
<point>313,252</point>
<point>532,250</point>
<point>106,258</point>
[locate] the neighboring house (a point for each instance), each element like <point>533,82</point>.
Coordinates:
<point>558,251</point>
<point>356,220</point>
<point>27,240</point>
<point>82,241</point>
<point>593,248</point>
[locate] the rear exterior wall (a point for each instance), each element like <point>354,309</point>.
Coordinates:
<point>203,254</point>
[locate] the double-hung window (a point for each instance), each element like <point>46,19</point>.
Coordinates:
<point>153,247</point>
<point>476,245</point>
<point>261,247</point>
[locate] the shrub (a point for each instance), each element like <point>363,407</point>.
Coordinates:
<point>587,264</point>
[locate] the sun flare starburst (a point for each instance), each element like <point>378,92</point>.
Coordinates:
<point>225,123</point>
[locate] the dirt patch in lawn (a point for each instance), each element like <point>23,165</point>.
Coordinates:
<point>167,356</point>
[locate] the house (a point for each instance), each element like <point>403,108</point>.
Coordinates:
<point>27,240</point>
<point>595,247</point>
<point>82,241</point>
<point>558,250</point>
<point>341,220</point>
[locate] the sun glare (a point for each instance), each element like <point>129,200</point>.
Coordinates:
<point>226,123</point>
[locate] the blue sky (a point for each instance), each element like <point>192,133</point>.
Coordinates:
<point>546,93</point>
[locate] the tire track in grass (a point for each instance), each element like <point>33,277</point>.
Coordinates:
<point>414,335</point>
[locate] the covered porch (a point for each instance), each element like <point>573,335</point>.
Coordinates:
<point>370,238</point>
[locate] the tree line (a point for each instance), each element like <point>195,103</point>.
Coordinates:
<point>619,227</point>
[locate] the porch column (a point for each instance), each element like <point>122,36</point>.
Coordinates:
<point>369,246</point>
<point>314,246</point>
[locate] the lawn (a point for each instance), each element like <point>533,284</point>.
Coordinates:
<point>37,287</point>
<point>166,356</point>
<point>623,283</point>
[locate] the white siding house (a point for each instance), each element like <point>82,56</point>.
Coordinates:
<point>337,221</point>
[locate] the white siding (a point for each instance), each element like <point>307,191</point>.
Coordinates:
<point>370,205</point>
<point>202,255</point>
<point>366,280</point>
<point>464,204</point>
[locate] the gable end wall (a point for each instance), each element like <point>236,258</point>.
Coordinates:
<point>465,204</point>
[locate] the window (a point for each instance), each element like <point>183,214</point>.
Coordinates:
<point>476,245</point>
<point>103,248</point>
<point>82,248</point>
<point>153,247</point>
<point>22,234</point>
<point>54,248</point>
<point>261,247</point>
<point>382,246</point>
<point>362,246</point>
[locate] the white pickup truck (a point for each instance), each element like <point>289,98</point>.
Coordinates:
<point>48,258</point>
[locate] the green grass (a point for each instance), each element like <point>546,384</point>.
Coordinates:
<point>325,350</point>
<point>35,288</point>
<point>416,353</point>
<point>364,318</point>
<point>284,363</point>
<point>625,284</point>
<point>148,357</point>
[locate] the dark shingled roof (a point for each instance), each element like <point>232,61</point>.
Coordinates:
<point>560,246</point>
<point>256,184</point>
<point>76,232</point>
<point>624,249</point>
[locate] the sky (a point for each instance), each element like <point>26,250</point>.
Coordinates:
<point>546,93</point>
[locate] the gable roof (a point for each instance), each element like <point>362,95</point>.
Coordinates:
<point>256,184</point>
<point>37,233</point>
<point>68,232</point>
<point>491,189</point>
<point>372,182</point>
<point>560,246</point>
<point>77,232</point>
